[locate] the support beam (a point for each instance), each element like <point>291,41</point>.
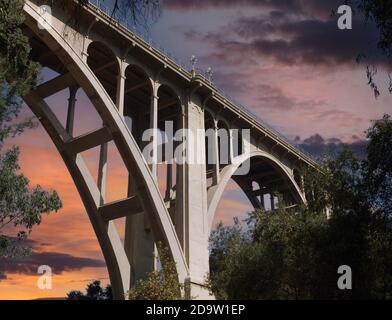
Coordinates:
<point>120,95</point>
<point>55,85</point>
<point>45,114</point>
<point>264,191</point>
<point>104,67</point>
<point>169,181</point>
<point>120,209</point>
<point>71,110</point>
<point>165,105</point>
<point>215,151</point>
<point>136,87</point>
<point>88,141</point>
<point>154,126</point>
<point>263,174</point>
<point>169,103</point>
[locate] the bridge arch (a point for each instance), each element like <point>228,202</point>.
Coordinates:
<point>215,193</point>
<point>114,129</point>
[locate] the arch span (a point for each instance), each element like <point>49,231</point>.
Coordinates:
<point>215,193</point>
<point>114,129</point>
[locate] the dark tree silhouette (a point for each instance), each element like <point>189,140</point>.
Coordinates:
<point>94,291</point>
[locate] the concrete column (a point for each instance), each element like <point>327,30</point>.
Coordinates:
<point>71,109</point>
<point>154,126</point>
<point>169,181</point>
<point>120,96</point>
<point>215,150</point>
<point>180,215</point>
<point>231,153</point>
<point>197,229</point>
<point>272,201</point>
<point>140,248</point>
<point>139,242</point>
<point>102,171</point>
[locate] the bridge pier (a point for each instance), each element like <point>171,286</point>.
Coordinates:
<point>197,228</point>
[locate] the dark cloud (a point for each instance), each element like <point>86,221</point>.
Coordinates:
<point>291,32</point>
<point>309,42</point>
<point>314,7</point>
<point>185,5</point>
<point>319,147</point>
<point>59,262</point>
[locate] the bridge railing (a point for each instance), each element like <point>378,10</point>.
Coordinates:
<point>145,36</point>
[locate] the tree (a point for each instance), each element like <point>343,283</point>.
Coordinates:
<point>288,255</point>
<point>140,13</point>
<point>159,285</point>
<point>20,206</point>
<point>94,291</point>
<point>379,12</point>
<point>379,165</point>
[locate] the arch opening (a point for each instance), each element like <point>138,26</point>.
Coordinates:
<point>224,144</point>
<point>137,102</point>
<point>170,120</point>
<point>209,127</point>
<point>267,185</point>
<point>104,64</point>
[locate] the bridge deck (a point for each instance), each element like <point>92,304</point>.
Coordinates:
<point>144,41</point>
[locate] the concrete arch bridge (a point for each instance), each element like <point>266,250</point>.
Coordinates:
<point>134,87</point>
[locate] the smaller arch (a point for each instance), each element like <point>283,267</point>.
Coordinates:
<point>224,143</point>
<point>105,65</point>
<point>170,117</point>
<point>170,107</point>
<point>237,142</point>
<point>138,92</point>
<point>215,193</point>
<point>224,122</point>
<point>209,127</point>
<point>134,62</point>
<point>175,91</point>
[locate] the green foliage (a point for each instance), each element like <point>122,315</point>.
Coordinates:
<point>94,291</point>
<point>159,285</point>
<point>378,167</point>
<point>20,206</point>
<point>287,255</point>
<point>380,11</point>
<point>18,73</point>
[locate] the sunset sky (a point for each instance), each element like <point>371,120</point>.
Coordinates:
<point>284,59</point>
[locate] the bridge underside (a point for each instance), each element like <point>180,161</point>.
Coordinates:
<point>131,91</point>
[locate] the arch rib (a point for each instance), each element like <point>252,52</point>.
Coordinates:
<point>148,191</point>
<point>215,193</point>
